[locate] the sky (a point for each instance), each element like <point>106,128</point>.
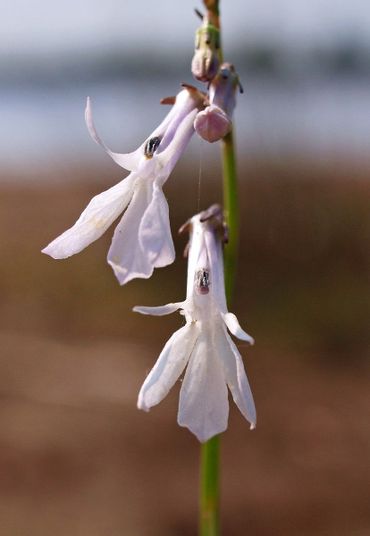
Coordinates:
<point>322,115</point>
<point>55,27</point>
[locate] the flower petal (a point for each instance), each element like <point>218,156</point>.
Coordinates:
<point>155,231</point>
<point>168,158</point>
<point>234,327</point>
<point>215,255</point>
<point>235,375</point>
<point>168,367</point>
<point>161,310</point>
<point>186,101</point>
<point>204,406</point>
<point>99,214</point>
<point>126,256</point>
<point>129,161</point>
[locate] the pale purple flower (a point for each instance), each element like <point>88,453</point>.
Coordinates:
<point>203,346</point>
<point>142,239</point>
<point>215,121</point>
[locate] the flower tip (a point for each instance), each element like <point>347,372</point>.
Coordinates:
<point>122,274</point>
<point>252,426</point>
<point>52,252</point>
<point>88,106</point>
<point>142,406</point>
<point>90,123</point>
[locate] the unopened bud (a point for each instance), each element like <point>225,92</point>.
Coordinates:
<point>205,62</point>
<point>214,122</point>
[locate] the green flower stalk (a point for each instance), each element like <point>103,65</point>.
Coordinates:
<point>209,522</point>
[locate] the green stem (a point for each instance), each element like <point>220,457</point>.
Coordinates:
<point>230,188</point>
<point>209,488</point>
<point>209,472</point>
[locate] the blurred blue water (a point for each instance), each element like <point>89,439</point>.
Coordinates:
<point>321,117</point>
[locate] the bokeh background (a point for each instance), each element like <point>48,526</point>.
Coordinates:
<point>76,456</point>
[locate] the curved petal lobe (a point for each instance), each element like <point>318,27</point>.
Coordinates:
<point>168,367</point>
<point>235,375</point>
<point>99,214</point>
<point>129,161</point>
<point>234,327</point>
<point>161,310</point>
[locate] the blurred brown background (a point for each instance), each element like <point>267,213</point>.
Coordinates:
<point>76,456</point>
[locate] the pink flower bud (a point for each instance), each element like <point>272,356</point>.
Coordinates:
<point>205,63</point>
<point>212,124</point>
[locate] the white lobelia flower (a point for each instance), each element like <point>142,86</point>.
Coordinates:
<point>142,240</point>
<point>203,345</point>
